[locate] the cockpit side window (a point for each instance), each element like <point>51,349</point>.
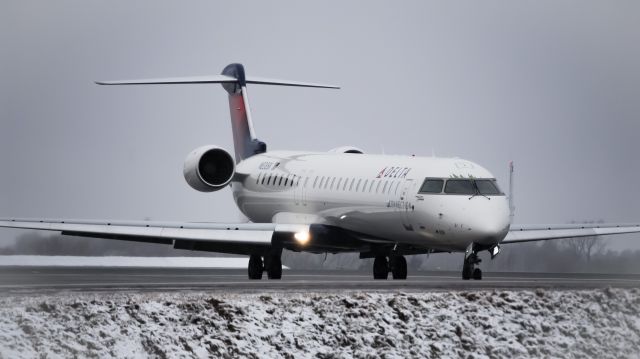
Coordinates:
<point>488,187</point>
<point>460,186</point>
<point>432,185</point>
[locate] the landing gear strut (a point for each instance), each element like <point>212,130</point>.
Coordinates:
<point>469,269</point>
<point>397,265</point>
<point>272,265</point>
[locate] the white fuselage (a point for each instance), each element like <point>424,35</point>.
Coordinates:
<point>377,196</point>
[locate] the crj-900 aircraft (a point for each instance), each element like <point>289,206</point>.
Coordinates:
<point>344,200</point>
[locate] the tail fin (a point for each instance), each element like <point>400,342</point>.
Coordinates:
<point>245,142</point>
<point>235,82</point>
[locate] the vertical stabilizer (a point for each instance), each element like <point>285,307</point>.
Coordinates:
<point>244,138</point>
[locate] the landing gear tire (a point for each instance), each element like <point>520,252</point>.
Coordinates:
<point>274,268</point>
<point>380,267</point>
<point>255,267</point>
<point>398,267</point>
<point>469,269</point>
<point>477,274</point>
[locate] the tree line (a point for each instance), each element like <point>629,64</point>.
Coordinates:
<point>567,255</point>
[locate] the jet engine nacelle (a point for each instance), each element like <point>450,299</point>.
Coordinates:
<point>346,149</point>
<point>209,168</point>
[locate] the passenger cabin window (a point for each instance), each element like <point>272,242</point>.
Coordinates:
<point>431,185</point>
<point>460,186</point>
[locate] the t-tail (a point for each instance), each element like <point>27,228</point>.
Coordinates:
<point>234,81</point>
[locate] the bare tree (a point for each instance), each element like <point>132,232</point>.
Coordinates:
<point>586,247</point>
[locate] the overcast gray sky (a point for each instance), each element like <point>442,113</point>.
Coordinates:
<point>554,86</point>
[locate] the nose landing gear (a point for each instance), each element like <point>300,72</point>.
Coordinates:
<point>471,259</point>
<point>397,265</point>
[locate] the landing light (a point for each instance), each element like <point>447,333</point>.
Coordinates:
<point>343,216</point>
<point>302,237</point>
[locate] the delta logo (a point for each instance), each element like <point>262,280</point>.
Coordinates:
<point>393,172</point>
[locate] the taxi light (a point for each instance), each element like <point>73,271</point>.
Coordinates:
<point>494,251</point>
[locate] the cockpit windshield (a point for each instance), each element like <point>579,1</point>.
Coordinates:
<point>460,186</point>
<point>471,186</point>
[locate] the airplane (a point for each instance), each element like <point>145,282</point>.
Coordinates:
<point>345,200</point>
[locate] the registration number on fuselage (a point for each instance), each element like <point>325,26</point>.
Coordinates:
<point>268,165</point>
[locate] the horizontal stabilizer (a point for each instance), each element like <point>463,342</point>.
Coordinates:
<point>214,79</point>
<point>263,81</point>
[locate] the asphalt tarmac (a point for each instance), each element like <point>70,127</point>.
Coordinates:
<point>25,280</point>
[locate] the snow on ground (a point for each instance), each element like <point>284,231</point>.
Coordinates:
<point>474,324</point>
<point>114,261</point>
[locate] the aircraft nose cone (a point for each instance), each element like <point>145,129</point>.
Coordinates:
<point>493,228</point>
<point>491,225</point>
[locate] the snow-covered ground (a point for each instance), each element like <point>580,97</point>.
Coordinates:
<point>113,261</point>
<point>475,324</point>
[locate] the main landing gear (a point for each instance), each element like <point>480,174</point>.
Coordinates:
<point>397,265</point>
<point>469,269</point>
<point>272,264</point>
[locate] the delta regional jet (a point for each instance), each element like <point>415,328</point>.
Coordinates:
<point>344,200</point>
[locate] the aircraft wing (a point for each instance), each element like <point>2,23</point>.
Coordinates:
<point>234,238</point>
<point>519,234</point>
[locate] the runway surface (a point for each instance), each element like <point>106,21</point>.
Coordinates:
<point>15,280</point>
